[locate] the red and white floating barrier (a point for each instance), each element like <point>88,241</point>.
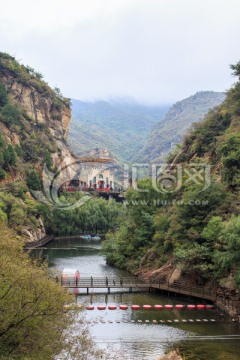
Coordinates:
<point>201,306</point>
<point>179,306</point>
<point>123,307</point>
<point>209,307</point>
<point>156,307</point>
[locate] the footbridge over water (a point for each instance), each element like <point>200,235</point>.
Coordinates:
<point>130,283</point>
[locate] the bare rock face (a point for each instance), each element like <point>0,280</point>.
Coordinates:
<point>41,109</point>
<point>228,298</point>
<point>45,109</point>
<point>38,106</point>
<point>10,137</point>
<point>34,234</point>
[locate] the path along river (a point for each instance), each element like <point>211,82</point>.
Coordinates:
<point>200,334</point>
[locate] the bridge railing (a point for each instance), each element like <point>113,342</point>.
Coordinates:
<point>191,290</point>
<point>125,282</point>
<point>101,282</point>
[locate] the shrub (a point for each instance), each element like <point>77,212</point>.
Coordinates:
<point>3,95</point>
<point>10,114</point>
<point>17,215</point>
<point>2,174</point>
<point>33,180</point>
<point>9,157</point>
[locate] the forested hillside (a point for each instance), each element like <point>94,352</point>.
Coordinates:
<point>33,127</point>
<point>34,123</point>
<point>170,131</point>
<point>192,220</point>
<point>119,126</point>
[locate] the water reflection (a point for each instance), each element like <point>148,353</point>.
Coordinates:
<point>141,340</point>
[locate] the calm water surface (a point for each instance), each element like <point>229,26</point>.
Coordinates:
<point>199,340</point>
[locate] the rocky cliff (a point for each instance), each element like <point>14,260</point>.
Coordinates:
<point>43,107</point>
<point>34,123</point>
<point>171,129</point>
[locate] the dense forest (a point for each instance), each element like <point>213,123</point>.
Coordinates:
<point>196,225</point>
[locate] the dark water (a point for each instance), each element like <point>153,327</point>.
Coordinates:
<point>200,334</point>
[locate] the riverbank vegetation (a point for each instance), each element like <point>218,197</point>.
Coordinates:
<point>33,322</point>
<point>197,225</point>
<point>96,215</point>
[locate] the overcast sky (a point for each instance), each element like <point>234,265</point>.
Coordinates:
<point>155,51</point>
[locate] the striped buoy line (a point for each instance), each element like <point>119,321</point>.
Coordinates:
<point>150,307</point>
<point>149,321</point>
<point>147,307</point>
<point>168,307</point>
<point>179,306</point>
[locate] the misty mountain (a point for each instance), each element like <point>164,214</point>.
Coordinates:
<point>170,130</point>
<point>119,126</point>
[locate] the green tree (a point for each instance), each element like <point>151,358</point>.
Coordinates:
<point>33,180</point>
<point>227,256</point>
<point>1,159</point>
<point>196,261</point>
<point>34,323</point>
<point>2,141</point>
<point>17,215</point>
<point>3,215</point>
<point>18,150</point>
<point>213,230</point>
<point>9,114</point>
<point>3,95</point>
<point>48,160</point>
<point>2,173</point>
<point>236,69</point>
<point>9,157</point>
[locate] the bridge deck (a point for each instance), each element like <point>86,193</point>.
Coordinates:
<point>135,283</point>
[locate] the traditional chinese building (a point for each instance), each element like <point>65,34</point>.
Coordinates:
<point>97,175</point>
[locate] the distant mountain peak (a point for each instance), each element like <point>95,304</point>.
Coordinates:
<point>119,126</point>
<point>171,129</point>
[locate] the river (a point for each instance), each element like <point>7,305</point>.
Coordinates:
<point>200,334</point>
